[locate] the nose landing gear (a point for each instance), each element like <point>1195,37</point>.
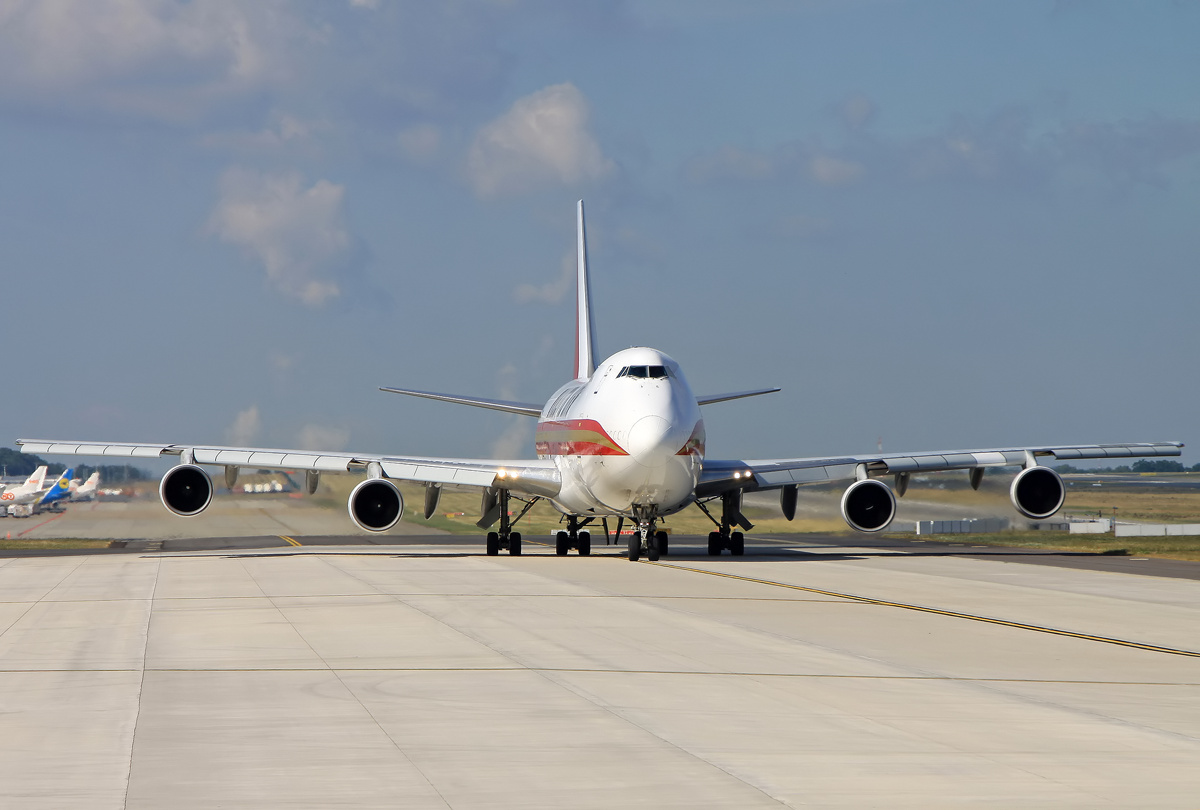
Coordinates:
<point>647,540</point>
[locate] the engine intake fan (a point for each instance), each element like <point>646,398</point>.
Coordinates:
<point>186,490</point>
<point>1037,492</point>
<point>376,505</point>
<point>868,505</point>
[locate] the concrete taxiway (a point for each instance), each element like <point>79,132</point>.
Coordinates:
<point>425,674</point>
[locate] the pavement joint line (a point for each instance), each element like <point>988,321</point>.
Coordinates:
<point>593,671</point>
<point>43,523</point>
<point>940,612</point>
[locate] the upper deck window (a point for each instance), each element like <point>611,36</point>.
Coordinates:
<point>645,372</point>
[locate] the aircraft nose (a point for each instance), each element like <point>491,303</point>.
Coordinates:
<point>650,441</point>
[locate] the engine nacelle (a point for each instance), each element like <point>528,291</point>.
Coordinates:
<point>186,490</point>
<point>868,505</point>
<point>1037,492</point>
<point>376,505</point>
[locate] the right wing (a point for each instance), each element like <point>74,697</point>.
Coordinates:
<point>537,477</point>
<point>711,398</point>
<point>723,475</point>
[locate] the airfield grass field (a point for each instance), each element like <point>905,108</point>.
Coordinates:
<point>817,514</point>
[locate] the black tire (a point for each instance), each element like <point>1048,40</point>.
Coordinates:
<point>663,543</point>
<point>585,544</point>
<point>635,547</point>
<point>737,544</point>
<point>714,544</point>
<point>652,547</point>
<point>493,544</point>
<point>514,544</point>
<point>562,542</point>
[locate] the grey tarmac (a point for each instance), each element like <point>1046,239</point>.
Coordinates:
<point>422,673</point>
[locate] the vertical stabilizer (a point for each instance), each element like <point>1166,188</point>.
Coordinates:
<point>584,335</point>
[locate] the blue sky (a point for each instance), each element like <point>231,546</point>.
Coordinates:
<point>937,224</point>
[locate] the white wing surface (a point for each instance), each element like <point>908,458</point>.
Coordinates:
<point>526,476</point>
<point>751,474</point>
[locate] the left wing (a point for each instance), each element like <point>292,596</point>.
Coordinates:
<point>723,475</point>
<point>535,477</point>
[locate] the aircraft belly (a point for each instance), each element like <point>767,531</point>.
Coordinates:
<point>614,484</point>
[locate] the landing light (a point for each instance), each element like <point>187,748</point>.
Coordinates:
<point>502,473</point>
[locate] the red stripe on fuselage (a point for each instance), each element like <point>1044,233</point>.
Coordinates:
<point>575,437</point>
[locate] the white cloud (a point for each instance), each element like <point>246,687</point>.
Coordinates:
<point>856,111</point>
<point>322,437</point>
<point>542,140</point>
<point>285,131</point>
<point>163,59</point>
<point>552,292</point>
<point>516,440</point>
<point>296,232</point>
<point>831,171</point>
<point>245,428</point>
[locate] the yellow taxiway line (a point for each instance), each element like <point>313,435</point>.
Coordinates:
<point>289,540</point>
<point>939,612</point>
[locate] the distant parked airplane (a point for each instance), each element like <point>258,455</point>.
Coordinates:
<point>87,490</point>
<point>16,500</point>
<point>622,439</point>
<point>60,491</point>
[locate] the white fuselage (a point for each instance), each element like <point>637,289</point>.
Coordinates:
<point>627,441</point>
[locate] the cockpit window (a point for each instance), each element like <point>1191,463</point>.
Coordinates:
<point>645,372</point>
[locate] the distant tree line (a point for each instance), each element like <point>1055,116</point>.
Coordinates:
<point>14,463</point>
<point>1144,465</point>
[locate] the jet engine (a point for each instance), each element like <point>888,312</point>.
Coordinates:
<point>376,505</point>
<point>186,490</point>
<point>868,505</point>
<point>1037,492</point>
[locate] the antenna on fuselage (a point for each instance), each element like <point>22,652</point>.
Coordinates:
<point>585,337</point>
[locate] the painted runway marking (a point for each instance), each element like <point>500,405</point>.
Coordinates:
<point>43,523</point>
<point>939,612</point>
<point>289,540</point>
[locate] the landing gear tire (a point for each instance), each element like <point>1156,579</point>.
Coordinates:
<point>562,542</point>
<point>737,544</point>
<point>635,547</point>
<point>714,544</point>
<point>493,544</point>
<point>663,542</point>
<point>585,544</point>
<point>652,552</point>
<point>514,544</point>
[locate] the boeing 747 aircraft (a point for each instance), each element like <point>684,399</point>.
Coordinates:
<point>623,439</point>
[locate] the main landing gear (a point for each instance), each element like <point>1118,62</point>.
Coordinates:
<point>725,539</point>
<point>505,538</point>
<point>573,537</point>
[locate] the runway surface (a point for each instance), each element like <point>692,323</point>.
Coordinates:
<point>425,674</point>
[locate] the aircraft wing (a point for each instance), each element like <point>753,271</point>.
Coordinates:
<point>722,475</point>
<point>527,476</point>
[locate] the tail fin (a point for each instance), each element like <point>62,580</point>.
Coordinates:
<point>37,479</point>
<point>585,336</point>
